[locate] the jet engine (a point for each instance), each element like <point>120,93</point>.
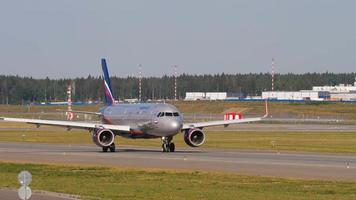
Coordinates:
<point>103,137</point>
<point>194,137</point>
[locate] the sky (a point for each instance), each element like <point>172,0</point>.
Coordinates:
<point>67,39</point>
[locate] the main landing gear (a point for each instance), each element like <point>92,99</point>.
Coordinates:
<point>111,148</point>
<point>167,145</point>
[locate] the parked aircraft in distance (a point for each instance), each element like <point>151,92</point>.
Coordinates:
<point>141,120</point>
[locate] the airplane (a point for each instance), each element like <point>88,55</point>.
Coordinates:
<point>137,121</point>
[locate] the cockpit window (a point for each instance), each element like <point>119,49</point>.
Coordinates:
<point>168,114</point>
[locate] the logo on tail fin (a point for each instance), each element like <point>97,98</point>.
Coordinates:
<point>107,84</point>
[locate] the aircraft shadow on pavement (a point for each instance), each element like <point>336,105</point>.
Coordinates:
<point>121,150</point>
<point>153,151</point>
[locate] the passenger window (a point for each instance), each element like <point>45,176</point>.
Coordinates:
<point>168,114</point>
<point>176,114</point>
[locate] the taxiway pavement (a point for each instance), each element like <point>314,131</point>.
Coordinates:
<point>279,164</point>
<point>7,194</point>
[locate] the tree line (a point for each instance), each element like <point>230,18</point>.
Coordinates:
<point>23,90</point>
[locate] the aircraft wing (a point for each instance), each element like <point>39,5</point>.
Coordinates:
<point>67,124</point>
<point>224,122</point>
<point>218,123</point>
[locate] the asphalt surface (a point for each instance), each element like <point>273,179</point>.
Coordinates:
<point>295,165</point>
<point>7,194</point>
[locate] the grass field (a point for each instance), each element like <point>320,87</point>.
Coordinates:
<point>114,183</point>
<point>330,142</point>
<point>288,141</point>
<point>280,109</point>
<point>331,110</point>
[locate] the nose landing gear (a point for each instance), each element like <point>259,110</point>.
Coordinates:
<point>111,148</point>
<point>167,145</point>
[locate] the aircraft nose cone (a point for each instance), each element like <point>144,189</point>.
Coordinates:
<point>175,125</point>
<point>168,126</point>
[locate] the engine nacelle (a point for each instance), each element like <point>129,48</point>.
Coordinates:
<point>194,137</point>
<point>103,137</point>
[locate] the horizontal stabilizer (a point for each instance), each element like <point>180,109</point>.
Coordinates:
<point>80,112</point>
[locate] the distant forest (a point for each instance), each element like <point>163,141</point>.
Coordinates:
<point>21,90</point>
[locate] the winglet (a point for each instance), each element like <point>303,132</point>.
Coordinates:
<point>266,107</point>
<point>107,84</point>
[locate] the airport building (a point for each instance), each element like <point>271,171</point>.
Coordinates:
<point>296,95</point>
<point>193,96</point>
<point>339,92</point>
<point>215,95</point>
<point>341,88</point>
<point>350,96</point>
<point>229,96</point>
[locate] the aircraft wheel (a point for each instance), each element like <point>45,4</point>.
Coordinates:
<point>112,147</point>
<point>165,148</point>
<point>172,147</point>
<point>105,149</point>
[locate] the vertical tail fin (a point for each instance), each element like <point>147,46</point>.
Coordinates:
<point>107,84</point>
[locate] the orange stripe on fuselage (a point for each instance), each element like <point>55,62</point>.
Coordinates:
<point>136,132</point>
<point>132,132</point>
<point>107,120</point>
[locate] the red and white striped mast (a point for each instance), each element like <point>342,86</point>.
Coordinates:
<point>70,115</point>
<point>175,82</point>
<point>69,97</point>
<point>272,73</point>
<point>140,83</point>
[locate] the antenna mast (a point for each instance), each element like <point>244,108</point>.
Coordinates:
<point>140,83</point>
<point>272,73</point>
<point>70,115</point>
<point>69,96</point>
<point>175,82</point>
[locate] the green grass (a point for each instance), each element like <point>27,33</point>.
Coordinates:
<point>336,142</point>
<point>330,142</point>
<point>327,142</point>
<point>333,110</point>
<point>115,183</point>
